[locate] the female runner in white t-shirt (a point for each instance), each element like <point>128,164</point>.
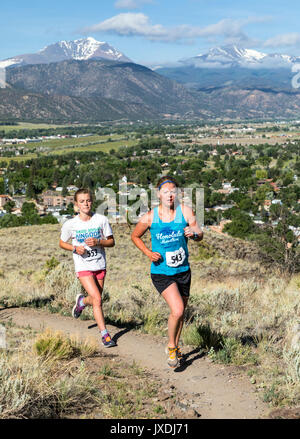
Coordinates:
<point>90,233</point>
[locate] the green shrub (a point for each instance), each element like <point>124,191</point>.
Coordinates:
<point>50,264</point>
<point>191,336</point>
<point>233,352</point>
<point>205,251</point>
<point>152,322</point>
<point>201,336</point>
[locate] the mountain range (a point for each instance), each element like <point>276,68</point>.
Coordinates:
<point>86,80</point>
<point>231,66</point>
<point>130,83</point>
<point>233,56</point>
<point>83,49</point>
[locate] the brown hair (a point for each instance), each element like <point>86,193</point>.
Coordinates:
<point>83,191</point>
<point>167,178</point>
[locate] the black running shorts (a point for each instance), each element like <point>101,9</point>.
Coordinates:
<point>163,281</point>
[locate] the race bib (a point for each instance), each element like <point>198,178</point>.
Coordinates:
<point>92,253</point>
<point>176,258</point>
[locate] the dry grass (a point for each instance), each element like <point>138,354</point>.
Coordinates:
<point>49,375</point>
<point>231,299</point>
<point>56,346</point>
<point>42,385</point>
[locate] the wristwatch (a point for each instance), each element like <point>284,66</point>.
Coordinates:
<point>195,236</point>
<point>74,249</point>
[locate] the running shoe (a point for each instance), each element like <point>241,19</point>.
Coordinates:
<point>179,353</point>
<point>107,341</point>
<point>77,309</point>
<point>172,357</point>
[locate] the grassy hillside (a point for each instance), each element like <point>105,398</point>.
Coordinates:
<point>240,311</point>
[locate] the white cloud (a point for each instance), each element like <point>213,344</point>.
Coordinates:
<point>290,39</point>
<point>130,4</point>
<point>130,24</point>
<point>138,24</point>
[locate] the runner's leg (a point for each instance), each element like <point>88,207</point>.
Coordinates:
<point>185,301</point>
<point>94,288</point>
<point>174,299</point>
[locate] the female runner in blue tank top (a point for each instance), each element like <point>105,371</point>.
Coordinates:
<point>170,224</point>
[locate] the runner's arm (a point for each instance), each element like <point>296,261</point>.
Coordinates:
<point>139,230</point>
<point>109,241</point>
<point>65,245</point>
<point>78,249</point>
<point>193,227</point>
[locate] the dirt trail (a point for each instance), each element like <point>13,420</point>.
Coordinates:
<point>214,391</point>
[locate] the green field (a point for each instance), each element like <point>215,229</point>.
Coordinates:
<point>105,147</point>
<point>72,141</point>
<point>29,126</point>
<point>19,158</point>
<point>66,146</point>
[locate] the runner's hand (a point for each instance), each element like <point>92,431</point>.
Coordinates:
<point>91,242</point>
<point>80,250</point>
<point>154,256</point>
<point>188,232</point>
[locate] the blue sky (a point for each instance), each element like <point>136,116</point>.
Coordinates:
<point>152,31</point>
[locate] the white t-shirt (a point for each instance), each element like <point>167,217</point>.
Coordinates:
<point>97,227</point>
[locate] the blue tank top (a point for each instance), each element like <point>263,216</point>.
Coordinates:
<point>168,239</point>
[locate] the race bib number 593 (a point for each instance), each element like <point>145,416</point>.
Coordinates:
<point>176,258</point>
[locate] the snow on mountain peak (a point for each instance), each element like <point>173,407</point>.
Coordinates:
<point>254,54</point>
<point>236,56</point>
<point>81,49</point>
<point>234,52</point>
<point>86,48</point>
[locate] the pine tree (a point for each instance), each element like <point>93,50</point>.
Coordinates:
<point>30,190</point>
